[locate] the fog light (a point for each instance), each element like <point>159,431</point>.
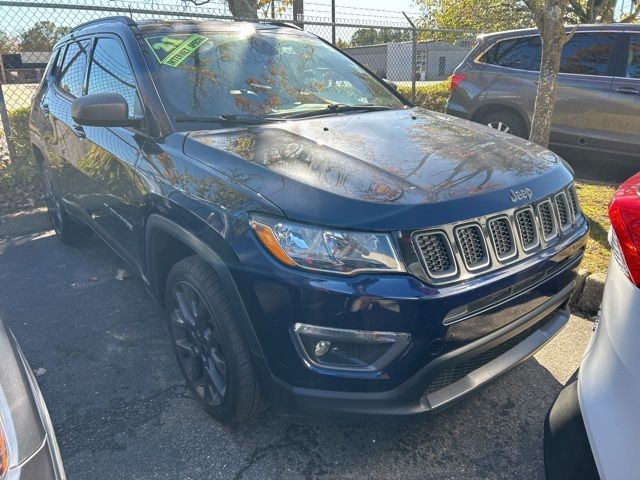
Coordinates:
<point>322,348</point>
<point>345,349</point>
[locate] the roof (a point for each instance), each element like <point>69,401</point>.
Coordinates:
<point>585,27</point>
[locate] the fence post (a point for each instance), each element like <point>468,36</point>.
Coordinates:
<point>414,56</point>
<point>4,116</point>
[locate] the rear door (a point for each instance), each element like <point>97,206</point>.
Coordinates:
<point>623,114</point>
<point>69,84</point>
<point>584,83</point>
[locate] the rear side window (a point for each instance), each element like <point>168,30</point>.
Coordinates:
<point>518,53</point>
<point>73,68</point>
<point>588,53</point>
<point>110,73</point>
<point>633,61</point>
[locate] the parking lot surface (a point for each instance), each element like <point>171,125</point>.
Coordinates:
<point>122,410</point>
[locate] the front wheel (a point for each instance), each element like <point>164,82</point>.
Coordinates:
<point>212,353</point>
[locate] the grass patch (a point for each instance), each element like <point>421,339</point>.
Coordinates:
<point>594,200</point>
<point>432,96</point>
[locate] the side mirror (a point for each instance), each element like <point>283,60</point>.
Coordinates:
<point>102,110</point>
<point>393,85</point>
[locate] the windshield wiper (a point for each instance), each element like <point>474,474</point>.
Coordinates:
<point>339,108</point>
<point>228,118</point>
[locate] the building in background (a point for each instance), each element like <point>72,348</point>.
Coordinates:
<point>23,67</point>
<point>435,60</point>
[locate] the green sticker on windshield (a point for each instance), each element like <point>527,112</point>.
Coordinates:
<point>173,51</point>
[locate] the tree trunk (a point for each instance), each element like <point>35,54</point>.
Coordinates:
<point>243,9</point>
<point>549,19</point>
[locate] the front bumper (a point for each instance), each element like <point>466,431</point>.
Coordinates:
<point>511,314</point>
<point>416,395</point>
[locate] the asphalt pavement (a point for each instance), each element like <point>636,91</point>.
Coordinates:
<point>121,409</point>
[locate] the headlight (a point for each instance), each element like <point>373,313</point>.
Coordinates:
<point>325,249</point>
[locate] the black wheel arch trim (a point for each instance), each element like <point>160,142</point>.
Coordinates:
<point>215,261</point>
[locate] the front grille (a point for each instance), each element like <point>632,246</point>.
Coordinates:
<point>436,253</point>
<point>461,370</point>
<point>472,246</point>
<point>462,250</point>
<point>546,218</point>
<point>563,210</point>
<point>527,228</point>
<point>502,237</point>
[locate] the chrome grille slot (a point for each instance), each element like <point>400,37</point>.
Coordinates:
<point>547,220</point>
<point>472,246</point>
<point>436,254</point>
<point>573,199</point>
<point>502,238</point>
<point>527,229</point>
<point>563,211</point>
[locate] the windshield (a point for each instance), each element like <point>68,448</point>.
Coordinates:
<point>259,73</point>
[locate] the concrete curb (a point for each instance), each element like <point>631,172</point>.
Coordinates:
<point>587,295</point>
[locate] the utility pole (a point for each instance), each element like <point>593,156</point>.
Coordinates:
<point>273,9</point>
<point>333,21</point>
<point>298,12</point>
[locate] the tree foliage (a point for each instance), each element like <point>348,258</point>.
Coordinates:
<point>376,36</point>
<point>496,15</point>
<point>42,36</point>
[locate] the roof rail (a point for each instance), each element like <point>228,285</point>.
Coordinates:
<point>116,18</point>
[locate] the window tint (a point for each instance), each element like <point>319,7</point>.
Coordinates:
<point>514,53</point>
<point>633,62</point>
<point>110,73</point>
<point>73,67</point>
<point>588,53</point>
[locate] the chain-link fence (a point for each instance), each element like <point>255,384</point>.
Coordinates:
<point>412,58</point>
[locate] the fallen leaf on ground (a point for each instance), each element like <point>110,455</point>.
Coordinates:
<point>121,274</point>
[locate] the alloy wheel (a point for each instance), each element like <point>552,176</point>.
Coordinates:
<point>500,126</point>
<point>198,345</point>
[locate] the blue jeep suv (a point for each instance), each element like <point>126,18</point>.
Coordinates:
<point>317,241</point>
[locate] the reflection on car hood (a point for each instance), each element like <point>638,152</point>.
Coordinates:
<point>335,167</point>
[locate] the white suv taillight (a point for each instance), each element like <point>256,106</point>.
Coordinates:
<point>624,213</point>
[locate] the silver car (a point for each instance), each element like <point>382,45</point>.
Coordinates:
<point>28,447</point>
<point>598,97</point>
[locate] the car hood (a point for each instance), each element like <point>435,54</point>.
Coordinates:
<point>386,169</point>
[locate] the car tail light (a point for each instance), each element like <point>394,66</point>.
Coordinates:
<point>624,212</point>
<point>4,454</point>
<point>456,80</point>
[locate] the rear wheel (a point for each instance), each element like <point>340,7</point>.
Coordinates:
<point>70,231</point>
<point>212,353</point>
<point>506,122</point>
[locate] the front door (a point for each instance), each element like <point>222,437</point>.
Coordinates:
<point>623,115</point>
<point>109,156</point>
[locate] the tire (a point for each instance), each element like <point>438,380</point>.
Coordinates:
<point>508,122</point>
<point>212,354</point>
<point>69,230</point>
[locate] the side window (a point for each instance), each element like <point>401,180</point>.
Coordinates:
<point>633,61</point>
<point>73,67</point>
<point>110,73</point>
<point>518,53</point>
<point>588,53</point>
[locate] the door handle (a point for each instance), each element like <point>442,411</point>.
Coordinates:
<point>78,131</point>
<point>628,90</point>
